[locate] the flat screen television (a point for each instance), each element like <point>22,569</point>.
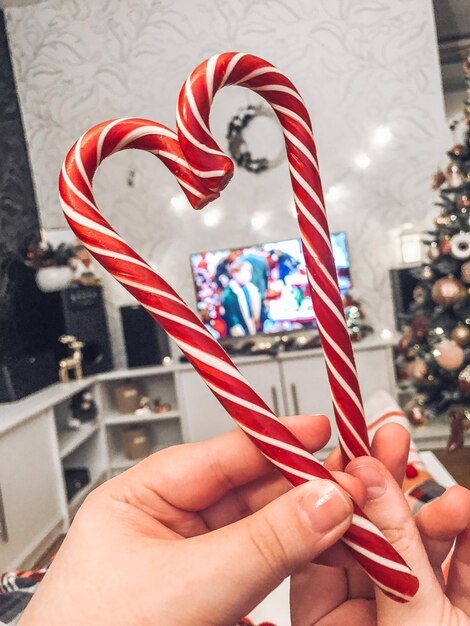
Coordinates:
<point>261,288</point>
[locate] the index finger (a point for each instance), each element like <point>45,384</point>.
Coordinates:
<point>194,476</point>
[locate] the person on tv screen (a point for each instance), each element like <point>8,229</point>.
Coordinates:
<point>241,301</point>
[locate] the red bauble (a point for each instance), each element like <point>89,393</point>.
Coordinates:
<point>444,246</point>
<point>449,354</point>
<point>448,291</point>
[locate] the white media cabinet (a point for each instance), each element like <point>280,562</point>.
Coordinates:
<point>35,448</point>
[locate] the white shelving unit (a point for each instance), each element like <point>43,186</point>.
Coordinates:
<point>162,429</point>
<point>70,440</point>
<point>114,418</point>
<point>36,428</point>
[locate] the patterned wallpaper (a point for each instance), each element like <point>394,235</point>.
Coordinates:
<point>359,65</point>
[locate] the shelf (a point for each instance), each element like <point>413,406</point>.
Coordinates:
<point>78,498</point>
<point>119,460</point>
<point>115,418</point>
<point>137,372</point>
<point>70,440</point>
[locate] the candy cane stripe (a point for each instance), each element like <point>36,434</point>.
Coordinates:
<point>197,144</point>
<point>274,440</point>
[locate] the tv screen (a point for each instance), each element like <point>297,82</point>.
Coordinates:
<point>260,288</point>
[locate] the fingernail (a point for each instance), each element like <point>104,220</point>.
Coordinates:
<point>325,506</point>
<point>373,479</point>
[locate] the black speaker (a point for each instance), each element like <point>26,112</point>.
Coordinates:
<point>146,341</point>
<point>403,284</point>
<point>79,311</point>
<point>23,375</point>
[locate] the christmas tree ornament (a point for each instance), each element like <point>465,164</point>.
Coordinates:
<point>444,245</point>
<point>204,171</point>
<point>438,179</point>
<point>461,335</point>
<point>465,272</point>
<point>420,326</point>
<point>405,340</point>
<point>427,273</point>
<point>448,291</point>
<point>464,381</point>
<point>449,354</point>
<point>414,410</point>
<point>463,203</point>
<point>460,246</point>
<point>442,221</point>
<point>454,176</point>
<point>433,251</point>
<point>421,294</point>
<point>459,151</point>
<point>417,369</point>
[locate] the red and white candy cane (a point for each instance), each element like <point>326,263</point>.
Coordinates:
<point>273,439</point>
<point>203,154</point>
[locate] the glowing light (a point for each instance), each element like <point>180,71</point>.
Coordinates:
<point>362,160</point>
<point>211,217</point>
<point>387,335</point>
<point>334,193</point>
<point>258,221</point>
<point>179,203</point>
<point>382,136</point>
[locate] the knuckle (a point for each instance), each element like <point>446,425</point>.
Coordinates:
<point>403,537</point>
<point>269,546</point>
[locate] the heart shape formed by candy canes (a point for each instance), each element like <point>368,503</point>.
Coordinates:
<point>383,564</point>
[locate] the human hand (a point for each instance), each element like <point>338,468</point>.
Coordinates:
<point>424,542</point>
<point>194,535</point>
<point>335,589</point>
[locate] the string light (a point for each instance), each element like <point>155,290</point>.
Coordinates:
<point>211,217</point>
<point>258,221</point>
<point>382,136</point>
<point>178,203</point>
<point>334,193</point>
<point>362,160</point>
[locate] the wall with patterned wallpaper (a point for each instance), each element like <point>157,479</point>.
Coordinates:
<point>358,65</point>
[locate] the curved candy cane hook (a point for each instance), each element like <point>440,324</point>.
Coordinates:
<point>216,168</point>
<point>201,151</point>
<point>274,440</point>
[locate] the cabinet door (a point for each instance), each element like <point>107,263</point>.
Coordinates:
<point>29,483</point>
<point>306,386</point>
<point>306,382</point>
<point>204,417</point>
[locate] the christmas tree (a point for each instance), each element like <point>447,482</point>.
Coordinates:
<point>434,351</point>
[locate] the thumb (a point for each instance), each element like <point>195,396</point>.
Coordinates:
<point>258,552</point>
<point>387,508</point>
